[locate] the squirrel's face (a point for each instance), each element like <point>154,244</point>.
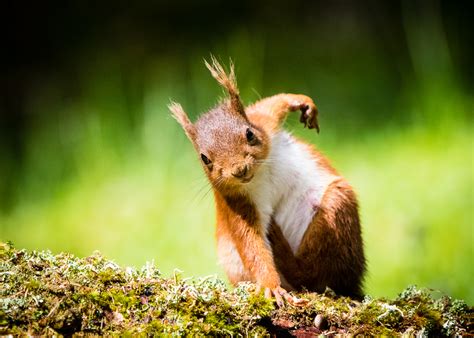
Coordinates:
<point>230,148</point>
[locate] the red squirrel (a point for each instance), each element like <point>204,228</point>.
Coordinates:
<point>286,220</point>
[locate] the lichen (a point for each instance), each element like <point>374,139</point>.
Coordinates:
<point>46,294</point>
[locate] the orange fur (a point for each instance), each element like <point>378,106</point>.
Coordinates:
<point>331,250</point>
<point>271,112</point>
<point>238,221</point>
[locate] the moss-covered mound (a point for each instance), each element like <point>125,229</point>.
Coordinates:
<point>41,293</point>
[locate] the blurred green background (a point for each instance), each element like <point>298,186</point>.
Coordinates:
<point>90,158</point>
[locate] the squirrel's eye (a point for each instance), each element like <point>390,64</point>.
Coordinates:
<point>205,159</point>
<point>251,138</point>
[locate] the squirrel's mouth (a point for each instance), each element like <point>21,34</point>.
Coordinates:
<point>246,179</point>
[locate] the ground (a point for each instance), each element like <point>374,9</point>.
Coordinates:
<point>46,294</point>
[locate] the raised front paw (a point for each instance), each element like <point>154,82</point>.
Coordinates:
<point>309,111</point>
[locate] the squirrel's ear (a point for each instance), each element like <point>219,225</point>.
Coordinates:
<point>183,119</point>
<point>229,82</point>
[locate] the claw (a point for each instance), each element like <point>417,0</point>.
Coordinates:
<point>308,115</point>
<point>282,296</point>
<point>303,118</point>
<point>305,114</point>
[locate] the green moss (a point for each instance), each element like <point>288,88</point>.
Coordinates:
<point>45,294</point>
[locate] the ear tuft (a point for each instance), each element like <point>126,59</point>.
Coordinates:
<point>228,81</point>
<point>179,114</point>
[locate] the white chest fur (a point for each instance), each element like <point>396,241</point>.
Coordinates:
<point>289,187</point>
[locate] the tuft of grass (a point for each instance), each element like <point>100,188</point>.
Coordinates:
<point>46,294</point>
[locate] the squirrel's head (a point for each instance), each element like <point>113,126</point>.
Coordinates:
<point>230,148</point>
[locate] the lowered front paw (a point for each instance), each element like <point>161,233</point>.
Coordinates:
<point>281,295</point>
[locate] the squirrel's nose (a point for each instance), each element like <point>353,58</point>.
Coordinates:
<point>240,172</point>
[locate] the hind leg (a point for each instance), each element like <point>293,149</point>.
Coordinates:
<point>331,252</point>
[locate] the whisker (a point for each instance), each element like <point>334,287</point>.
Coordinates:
<point>206,193</point>
<point>266,163</point>
<point>267,160</point>
<point>217,183</point>
<point>202,191</point>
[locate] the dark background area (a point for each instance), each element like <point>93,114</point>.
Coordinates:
<point>45,39</point>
